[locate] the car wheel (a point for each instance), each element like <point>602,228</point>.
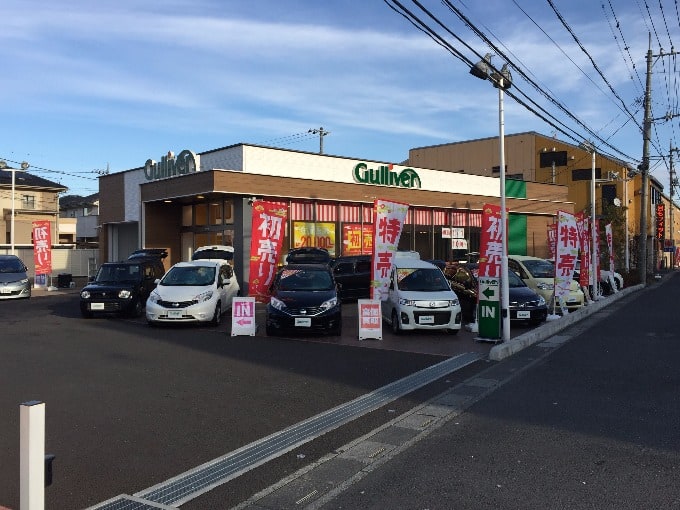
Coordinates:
<point>395,323</point>
<point>270,331</point>
<point>136,309</point>
<point>453,331</point>
<point>86,314</point>
<point>217,318</point>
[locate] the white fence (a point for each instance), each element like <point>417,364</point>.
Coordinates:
<point>80,262</point>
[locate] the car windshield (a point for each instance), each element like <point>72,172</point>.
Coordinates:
<point>540,268</point>
<point>189,276</point>
<point>303,279</point>
<point>11,266</point>
<point>514,280</point>
<point>118,273</point>
<point>422,279</point>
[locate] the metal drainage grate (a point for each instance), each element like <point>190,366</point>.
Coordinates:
<point>193,483</point>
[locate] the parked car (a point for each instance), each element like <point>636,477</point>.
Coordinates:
<point>605,284</point>
<point>525,304</point>
<point>308,255</point>
<point>160,253</point>
<point>214,252</point>
<point>121,287</point>
<point>539,275</point>
<point>352,273</point>
<point>420,297</point>
<point>14,281</point>
<point>304,298</point>
<point>193,292</point>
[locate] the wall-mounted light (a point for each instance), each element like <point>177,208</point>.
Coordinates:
<point>251,201</point>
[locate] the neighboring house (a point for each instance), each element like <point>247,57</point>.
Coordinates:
<point>35,199</point>
<point>85,210</point>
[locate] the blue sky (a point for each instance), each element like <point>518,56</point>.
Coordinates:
<point>89,84</point>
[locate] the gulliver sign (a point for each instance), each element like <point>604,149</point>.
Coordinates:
<point>186,162</point>
<point>407,178</point>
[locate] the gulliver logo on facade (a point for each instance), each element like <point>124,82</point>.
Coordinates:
<point>407,178</point>
<point>186,162</point>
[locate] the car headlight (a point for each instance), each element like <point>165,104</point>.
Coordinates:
<point>545,286</point>
<point>277,303</point>
<point>155,297</point>
<point>25,280</point>
<point>541,300</point>
<point>326,305</point>
<point>407,302</point>
<point>124,294</point>
<point>85,294</point>
<point>204,296</point>
<point>454,302</point>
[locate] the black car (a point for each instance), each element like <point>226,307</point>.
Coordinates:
<point>121,287</point>
<point>308,255</point>
<point>525,304</point>
<point>352,273</point>
<point>304,299</point>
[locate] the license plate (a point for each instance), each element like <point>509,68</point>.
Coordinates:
<point>524,314</point>
<point>426,319</point>
<point>175,314</point>
<point>303,322</point>
<point>96,306</point>
<point>5,290</point>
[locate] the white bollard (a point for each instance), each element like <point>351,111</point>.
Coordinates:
<point>32,455</point>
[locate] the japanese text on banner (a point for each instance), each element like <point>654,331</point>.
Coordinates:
<point>42,247</point>
<point>268,229</point>
<point>389,221</point>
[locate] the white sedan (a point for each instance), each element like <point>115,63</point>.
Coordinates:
<point>196,291</point>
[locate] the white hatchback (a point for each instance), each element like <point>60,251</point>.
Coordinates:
<point>196,291</point>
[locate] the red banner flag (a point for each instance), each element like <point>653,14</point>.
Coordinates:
<point>42,247</point>
<point>389,221</point>
<point>491,244</point>
<point>268,230</point>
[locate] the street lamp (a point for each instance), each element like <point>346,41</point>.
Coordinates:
<point>3,166</point>
<point>502,81</point>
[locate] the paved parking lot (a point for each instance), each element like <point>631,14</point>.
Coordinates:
<point>129,406</point>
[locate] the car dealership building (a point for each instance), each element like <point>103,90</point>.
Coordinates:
<point>184,201</point>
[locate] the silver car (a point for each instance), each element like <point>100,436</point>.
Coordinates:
<point>14,282</point>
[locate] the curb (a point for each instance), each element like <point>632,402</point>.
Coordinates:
<point>506,349</point>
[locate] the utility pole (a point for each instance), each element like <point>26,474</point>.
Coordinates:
<point>321,134</point>
<point>644,167</point>
<point>673,182</point>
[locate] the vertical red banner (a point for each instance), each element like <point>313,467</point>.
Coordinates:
<point>491,243</point>
<point>42,247</point>
<point>268,231</point>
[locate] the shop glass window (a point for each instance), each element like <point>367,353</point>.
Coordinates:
<point>201,214</point>
<point>228,211</point>
<point>202,240</point>
<point>215,211</point>
<point>187,216</point>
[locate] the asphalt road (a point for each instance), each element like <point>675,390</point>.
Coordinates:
<point>129,406</point>
<point>589,420</point>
